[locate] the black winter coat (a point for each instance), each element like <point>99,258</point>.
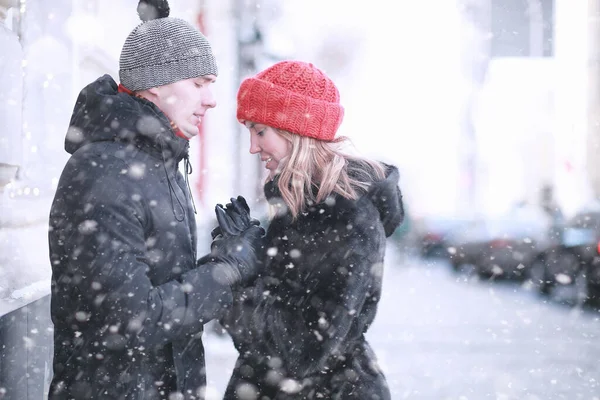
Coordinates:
<point>302,325</point>
<point>128,303</point>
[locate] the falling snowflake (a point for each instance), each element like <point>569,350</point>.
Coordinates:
<point>563,279</point>
<point>290,386</point>
<point>88,226</point>
<point>246,391</point>
<point>137,170</point>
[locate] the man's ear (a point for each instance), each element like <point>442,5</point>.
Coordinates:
<point>153,91</point>
<point>150,94</point>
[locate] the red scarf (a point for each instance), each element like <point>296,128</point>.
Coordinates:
<point>123,89</point>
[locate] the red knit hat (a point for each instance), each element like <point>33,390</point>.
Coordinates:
<point>293,96</point>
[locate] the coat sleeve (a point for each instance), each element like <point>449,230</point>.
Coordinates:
<point>100,272</point>
<point>316,332</point>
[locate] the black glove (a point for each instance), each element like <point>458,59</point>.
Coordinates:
<point>238,221</point>
<point>237,243</point>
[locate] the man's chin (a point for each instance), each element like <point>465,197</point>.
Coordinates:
<point>190,133</point>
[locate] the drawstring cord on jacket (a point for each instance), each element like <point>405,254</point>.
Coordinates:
<point>188,172</point>
<point>173,194</point>
<point>171,189</point>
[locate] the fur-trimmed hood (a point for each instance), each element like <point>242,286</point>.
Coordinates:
<point>385,195</point>
<point>387,198</point>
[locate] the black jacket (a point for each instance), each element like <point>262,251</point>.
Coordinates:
<point>306,318</point>
<point>128,304</point>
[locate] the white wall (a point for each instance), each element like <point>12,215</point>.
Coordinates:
<point>47,104</point>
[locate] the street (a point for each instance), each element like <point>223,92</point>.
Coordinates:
<point>444,337</point>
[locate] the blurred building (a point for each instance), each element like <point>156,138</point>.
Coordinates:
<point>510,118</point>
<point>537,109</point>
<point>592,76</point>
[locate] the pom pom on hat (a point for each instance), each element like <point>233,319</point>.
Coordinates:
<point>153,9</point>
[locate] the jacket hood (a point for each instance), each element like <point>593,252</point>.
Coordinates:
<point>385,195</point>
<point>102,113</point>
<point>387,198</point>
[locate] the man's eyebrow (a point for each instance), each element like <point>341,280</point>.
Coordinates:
<point>207,79</point>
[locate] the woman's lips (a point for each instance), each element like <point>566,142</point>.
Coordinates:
<point>270,163</point>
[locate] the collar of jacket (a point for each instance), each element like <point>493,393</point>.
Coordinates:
<point>103,113</point>
<point>385,195</point>
<point>178,132</point>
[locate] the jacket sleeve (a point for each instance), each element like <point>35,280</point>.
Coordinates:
<point>102,271</point>
<point>314,333</point>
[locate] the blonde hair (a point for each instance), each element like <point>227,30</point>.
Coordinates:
<point>320,167</point>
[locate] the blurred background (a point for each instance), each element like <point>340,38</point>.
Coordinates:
<point>489,108</point>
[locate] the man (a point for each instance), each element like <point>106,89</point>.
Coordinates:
<point>129,298</point>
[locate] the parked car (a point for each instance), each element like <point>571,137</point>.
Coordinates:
<point>502,247</point>
<point>574,262</point>
<point>431,234</point>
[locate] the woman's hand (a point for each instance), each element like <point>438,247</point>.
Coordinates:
<point>233,219</point>
<point>239,239</point>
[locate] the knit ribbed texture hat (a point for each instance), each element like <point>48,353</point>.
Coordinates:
<point>163,50</point>
<point>293,96</point>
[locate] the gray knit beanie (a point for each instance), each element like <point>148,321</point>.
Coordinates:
<point>163,50</point>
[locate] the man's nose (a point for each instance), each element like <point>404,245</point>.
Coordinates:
<point>208,100</point>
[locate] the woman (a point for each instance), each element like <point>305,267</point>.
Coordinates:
<point>300,327</point>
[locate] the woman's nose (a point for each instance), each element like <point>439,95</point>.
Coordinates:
<point>254,147</point>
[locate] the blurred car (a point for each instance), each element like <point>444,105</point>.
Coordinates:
<point>504,246</point>
<point>575,261</point>
<point>431,234</point>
